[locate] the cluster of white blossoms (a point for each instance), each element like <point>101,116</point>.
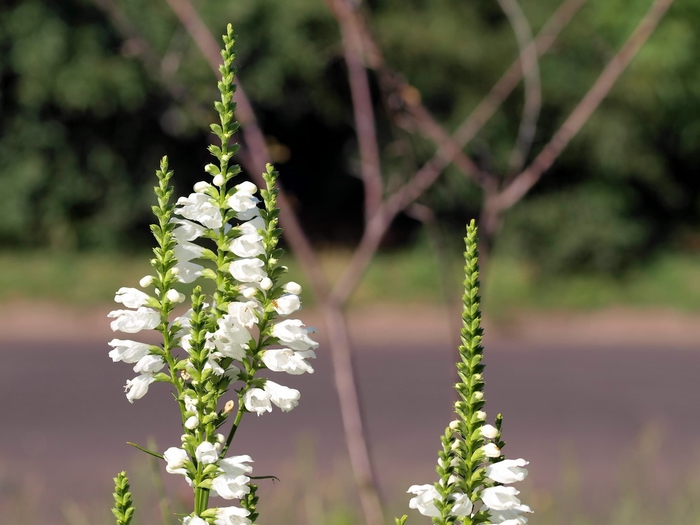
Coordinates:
<point>214,347</point>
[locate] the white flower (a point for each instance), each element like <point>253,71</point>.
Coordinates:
<point>243,202</point>
<point>187,272</point>
<point>292,333</point>
<point>206,453</point>
<point>245,314</point>
<point>149,364</point>
<point>186,251</point>
<point>286,360</point>
<point>192,422</point>
<point>424,501</point>
<point>489,431</point>
<point>236,465</point>
<point>199,207</point>
<point>257,400</point>
<point>284,397</point>
<point>286,304</point>
<point>462,505</point>
<point>132,322</point>
<point>175,459</point>
<point>507,471</point>
<point>214,365</point>
<point>131,297</point>
<point>509,517</point>
<point>253,226</point>
<point>231,516</point>
<point>292,287</point>
<point>128,351</point>
<point>502,498</point>
<point>248,245</point>
<point>186,230</point>
<point>191,404</point>
<point>248,270</point>
<point>230,487</point>
<point>491,450</point>
<point>231,338</point>
<point>137,387</point>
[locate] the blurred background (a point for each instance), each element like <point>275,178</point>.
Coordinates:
<point>591,293</point>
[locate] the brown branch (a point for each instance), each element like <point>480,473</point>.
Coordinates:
<point>580,115</point>
<point>511,78</point>
<point>362,105</point>
<point>531,76</point>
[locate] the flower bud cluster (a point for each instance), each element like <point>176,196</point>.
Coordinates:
<point>472,469</point>
<point>228,236</point>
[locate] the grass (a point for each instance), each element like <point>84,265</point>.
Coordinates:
<point>409,276</point>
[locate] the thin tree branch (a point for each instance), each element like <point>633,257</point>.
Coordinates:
<point>580,115</point>
<point>511,78</point>
<point>362,105</point>
<point>531,77</point>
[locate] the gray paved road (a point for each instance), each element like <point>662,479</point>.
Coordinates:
<point>64,419</point>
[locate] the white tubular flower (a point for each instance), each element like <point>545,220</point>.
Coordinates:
<point>286,360</point>
<point>248,270</point>
<point>462,505</point>
<point>186,230</point>
<point>128,351</point>
<point>149,364</point>
<point>508,517</point>
<point>292,287</point>
<point>231,339</point>
<point>503,498</point>
<point>188,272</point>
<point>293,334</point>
<point>199,207</point>
<point>212,364</point>
<point>186,251</point>
<point>489,431</point>
<point>284,397</point>
<point>257,400</point>
<point>132,322</point>
<point>230,487</point>
<point>131,297</point>
<point>231,516</point>
<point>243,202</point>
<point>286,304</point>
<point>491,450</point>
<point>248,245</point>
<point>191,404</point>
<point>137,387</point>
<point>507,471</point>
<point>206,453</point>
<point>253,226</point>
<point>424,502</point>
<point>236,465</point>
<point>245,314</point>
<point>175,459</point>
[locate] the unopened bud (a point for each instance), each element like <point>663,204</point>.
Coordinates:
<point>184,375</point>
<point>220,438</point>
<point>481,415</point>
<point>201,187</point>
<point>489,431</point>
<point>174,296</point>
<point>248,292</point>
<point>454,425</point>
<point>477,377</point>
<point>292,287</point>
<point>219,180</point>
<point>192,422</point>
<point>175,271</point>
<point>272,261</point>
<point>146,281</point>
<point>491,450</point>
<point>228,407</point>
<point>211,169</point>
<point>455,445</point>
<point>478,396</point>
<point>266,283</point>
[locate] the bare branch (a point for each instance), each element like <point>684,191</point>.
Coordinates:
<point>531,76</point>
<point>510,79</point>
<point>362,105</point>
<point>580,115</point>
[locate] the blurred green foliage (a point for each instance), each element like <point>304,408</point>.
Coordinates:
<point>84,116</point>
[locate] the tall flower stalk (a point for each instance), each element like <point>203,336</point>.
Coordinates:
<point>474,476</point>
<point>211,354</point>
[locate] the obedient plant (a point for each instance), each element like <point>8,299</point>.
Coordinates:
<point>211,354</point>
<point>474,476</point>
